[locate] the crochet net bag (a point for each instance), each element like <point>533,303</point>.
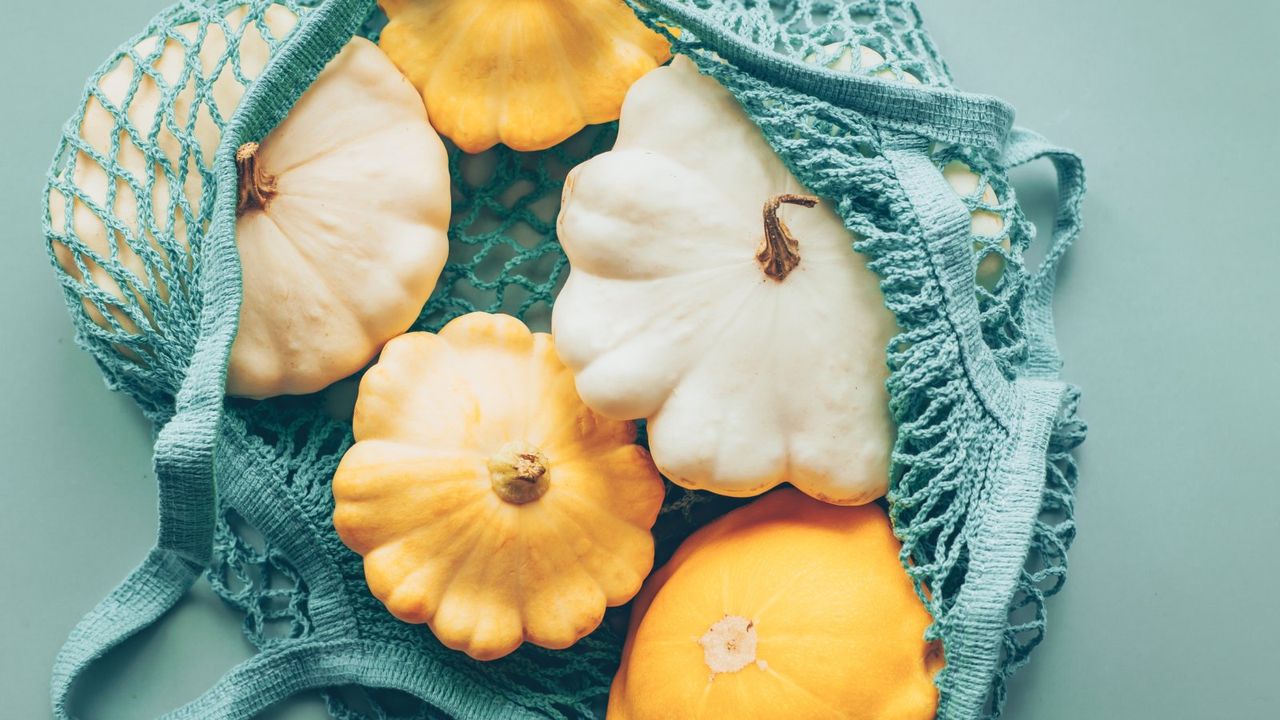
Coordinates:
<point>982,479</point>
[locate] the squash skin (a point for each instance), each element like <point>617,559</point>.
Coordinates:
<point>165,59</point>
<point>839,628</point>
<point>349,250</point>
<point>415,497</point>
<point>746,381</point>
<point>343,256</point>
<point>527,74</point>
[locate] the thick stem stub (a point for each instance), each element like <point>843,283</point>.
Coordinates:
<point>779,254</point>
<point>518,473</point>
<point>729,645</point>
<point>256,186</point>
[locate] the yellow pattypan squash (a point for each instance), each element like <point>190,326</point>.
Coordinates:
<point>787,609</point>
<point>343,212</point>
<point>527,74</point>
<point>486,499</point>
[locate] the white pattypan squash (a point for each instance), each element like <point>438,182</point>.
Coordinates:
<point>711,294</point>
<point>343,210</point>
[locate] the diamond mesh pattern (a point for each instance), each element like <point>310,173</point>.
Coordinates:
<point>133,150</point>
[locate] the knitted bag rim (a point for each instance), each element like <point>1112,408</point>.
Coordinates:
<point>1030,417</point>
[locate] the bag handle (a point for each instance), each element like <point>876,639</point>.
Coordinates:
<point>183,457</point>
<point>1025,146</point>
<point>941,114</point>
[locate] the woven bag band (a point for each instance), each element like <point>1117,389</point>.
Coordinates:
<point>185,448</point>
<point>939,114</point>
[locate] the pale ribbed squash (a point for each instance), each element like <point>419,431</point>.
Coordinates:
<point>486,499</point>
<point>527,74</point>
<point>787,609</point>
<point>712,295</point>
<point>344,206</point>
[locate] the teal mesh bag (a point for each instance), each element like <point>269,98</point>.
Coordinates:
<point>982,479</point>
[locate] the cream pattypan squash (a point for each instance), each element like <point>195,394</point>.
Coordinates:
<point>713,295</point>
<point>343,211</point>
<point>486,499</point>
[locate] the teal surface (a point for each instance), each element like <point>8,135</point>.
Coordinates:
<point>1163,320</point>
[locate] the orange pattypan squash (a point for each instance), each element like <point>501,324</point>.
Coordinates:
<point>786,609</point>
<point>486,499</point>
<point>527,74</point>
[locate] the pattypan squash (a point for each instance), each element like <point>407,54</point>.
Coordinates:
<point>712,294</point>
<point>786,609</point>
<point>342,215</point>
<point>486,499</point>
<point>526,74</point>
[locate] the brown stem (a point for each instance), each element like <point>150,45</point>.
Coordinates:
<point>257,187</point>
<point>518,473</point>
<point>779,253</point>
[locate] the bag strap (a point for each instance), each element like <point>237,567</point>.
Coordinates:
<point>941,114</point>
<point>943,224</point>
<point>1025,146</point>
<point>184,449</point>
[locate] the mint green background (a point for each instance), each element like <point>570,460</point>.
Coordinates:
<point>1167,318</point>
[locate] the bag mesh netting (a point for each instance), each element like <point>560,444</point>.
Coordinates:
<point>982,479</point>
